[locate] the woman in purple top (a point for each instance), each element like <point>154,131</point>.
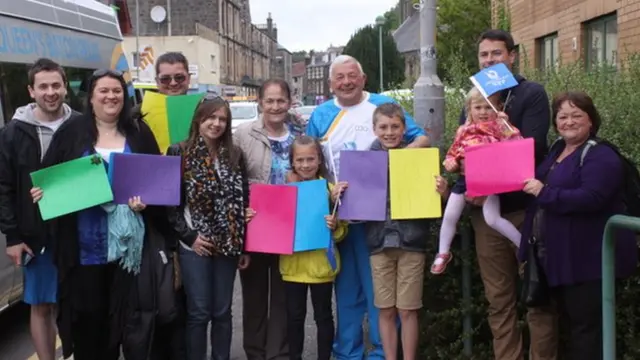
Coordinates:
<point>573,202</point>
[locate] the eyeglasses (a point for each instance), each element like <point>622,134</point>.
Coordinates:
<point>104,72</point>
<point>166,79</point>
<point>212,97</point>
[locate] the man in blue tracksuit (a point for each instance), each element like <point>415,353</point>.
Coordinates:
<point>346,123</point>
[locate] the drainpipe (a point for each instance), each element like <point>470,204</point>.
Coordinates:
<point>168,17</point>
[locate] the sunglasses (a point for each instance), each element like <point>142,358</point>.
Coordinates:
<point>166,79</point>
<point>212,97</point>
<point>104,72</point>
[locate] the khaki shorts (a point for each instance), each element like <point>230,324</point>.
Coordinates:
<point>398,279</point>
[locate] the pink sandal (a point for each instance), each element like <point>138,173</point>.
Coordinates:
<point>440,263</point>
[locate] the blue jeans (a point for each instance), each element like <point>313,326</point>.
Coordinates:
<point>208,282</point>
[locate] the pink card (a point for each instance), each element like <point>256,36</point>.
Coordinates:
<point>499,167</point>
<point>272,229</point>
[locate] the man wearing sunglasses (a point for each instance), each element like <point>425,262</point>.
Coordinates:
<point>172,76</point>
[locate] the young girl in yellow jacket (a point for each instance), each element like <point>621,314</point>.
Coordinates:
<point>311,270</point>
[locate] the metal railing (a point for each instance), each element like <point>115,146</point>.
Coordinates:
<point>608,281</point>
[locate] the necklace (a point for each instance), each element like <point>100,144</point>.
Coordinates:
<point>106,128</point>
<point>110,132</point>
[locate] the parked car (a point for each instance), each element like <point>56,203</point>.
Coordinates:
<point>242,112</point>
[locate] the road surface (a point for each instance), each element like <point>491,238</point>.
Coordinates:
<point>15,341</point>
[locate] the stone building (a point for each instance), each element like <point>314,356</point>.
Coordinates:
<point>317,88</point>
<point>284,64</point>
<point>244,55</point>
<point>270,29</point>
<point>299,80</point>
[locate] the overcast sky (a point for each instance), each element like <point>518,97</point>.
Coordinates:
<point>316,24</point>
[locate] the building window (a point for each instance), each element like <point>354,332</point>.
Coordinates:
<point>213,64</point>
<point>548,50</point>
<point>601,41</point>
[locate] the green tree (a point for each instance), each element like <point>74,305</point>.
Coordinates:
<point>460,22</point>
<point>299,55</point>
<point>391,19</point>
<point>364,46</point>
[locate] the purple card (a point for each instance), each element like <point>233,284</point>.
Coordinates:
<point>155,178</point>
<point>367,174</point>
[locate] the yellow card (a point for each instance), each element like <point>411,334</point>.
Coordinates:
<point>154,109</point>
<point>412,187</point>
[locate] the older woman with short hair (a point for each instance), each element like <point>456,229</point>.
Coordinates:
<point>265,145</point>
<point>575,195</point>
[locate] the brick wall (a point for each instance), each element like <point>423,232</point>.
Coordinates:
<point>184,15</point>
<point>533,19</point>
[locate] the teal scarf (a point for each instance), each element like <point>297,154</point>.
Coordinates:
<point>126,236</point>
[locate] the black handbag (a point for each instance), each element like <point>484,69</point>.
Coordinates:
<point>535,290</point>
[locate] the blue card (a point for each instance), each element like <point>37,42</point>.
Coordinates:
<point>312,232</point>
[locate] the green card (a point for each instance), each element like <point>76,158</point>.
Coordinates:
<point>180,111</point>
<point>72,186</point>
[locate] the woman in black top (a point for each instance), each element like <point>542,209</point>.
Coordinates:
<point>98,299</point>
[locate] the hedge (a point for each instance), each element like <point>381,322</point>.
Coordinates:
<point>615,95</point>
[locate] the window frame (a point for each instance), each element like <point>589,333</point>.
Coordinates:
<point>588,28</point>
<point>541,43</point>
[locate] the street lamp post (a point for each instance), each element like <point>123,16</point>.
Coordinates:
<point>380,23</point>
<point>429,90</point>
<point>429,108</point>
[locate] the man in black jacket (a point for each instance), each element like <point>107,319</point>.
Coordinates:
<point>527,106</point>
<point>23,144</point>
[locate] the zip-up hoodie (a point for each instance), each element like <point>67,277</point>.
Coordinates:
<point>45,133</point>
<point>23,144</point>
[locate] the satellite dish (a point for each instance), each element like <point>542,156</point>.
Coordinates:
<point>158,14</point>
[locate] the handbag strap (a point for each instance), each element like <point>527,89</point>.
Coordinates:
<point>539,214</point>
